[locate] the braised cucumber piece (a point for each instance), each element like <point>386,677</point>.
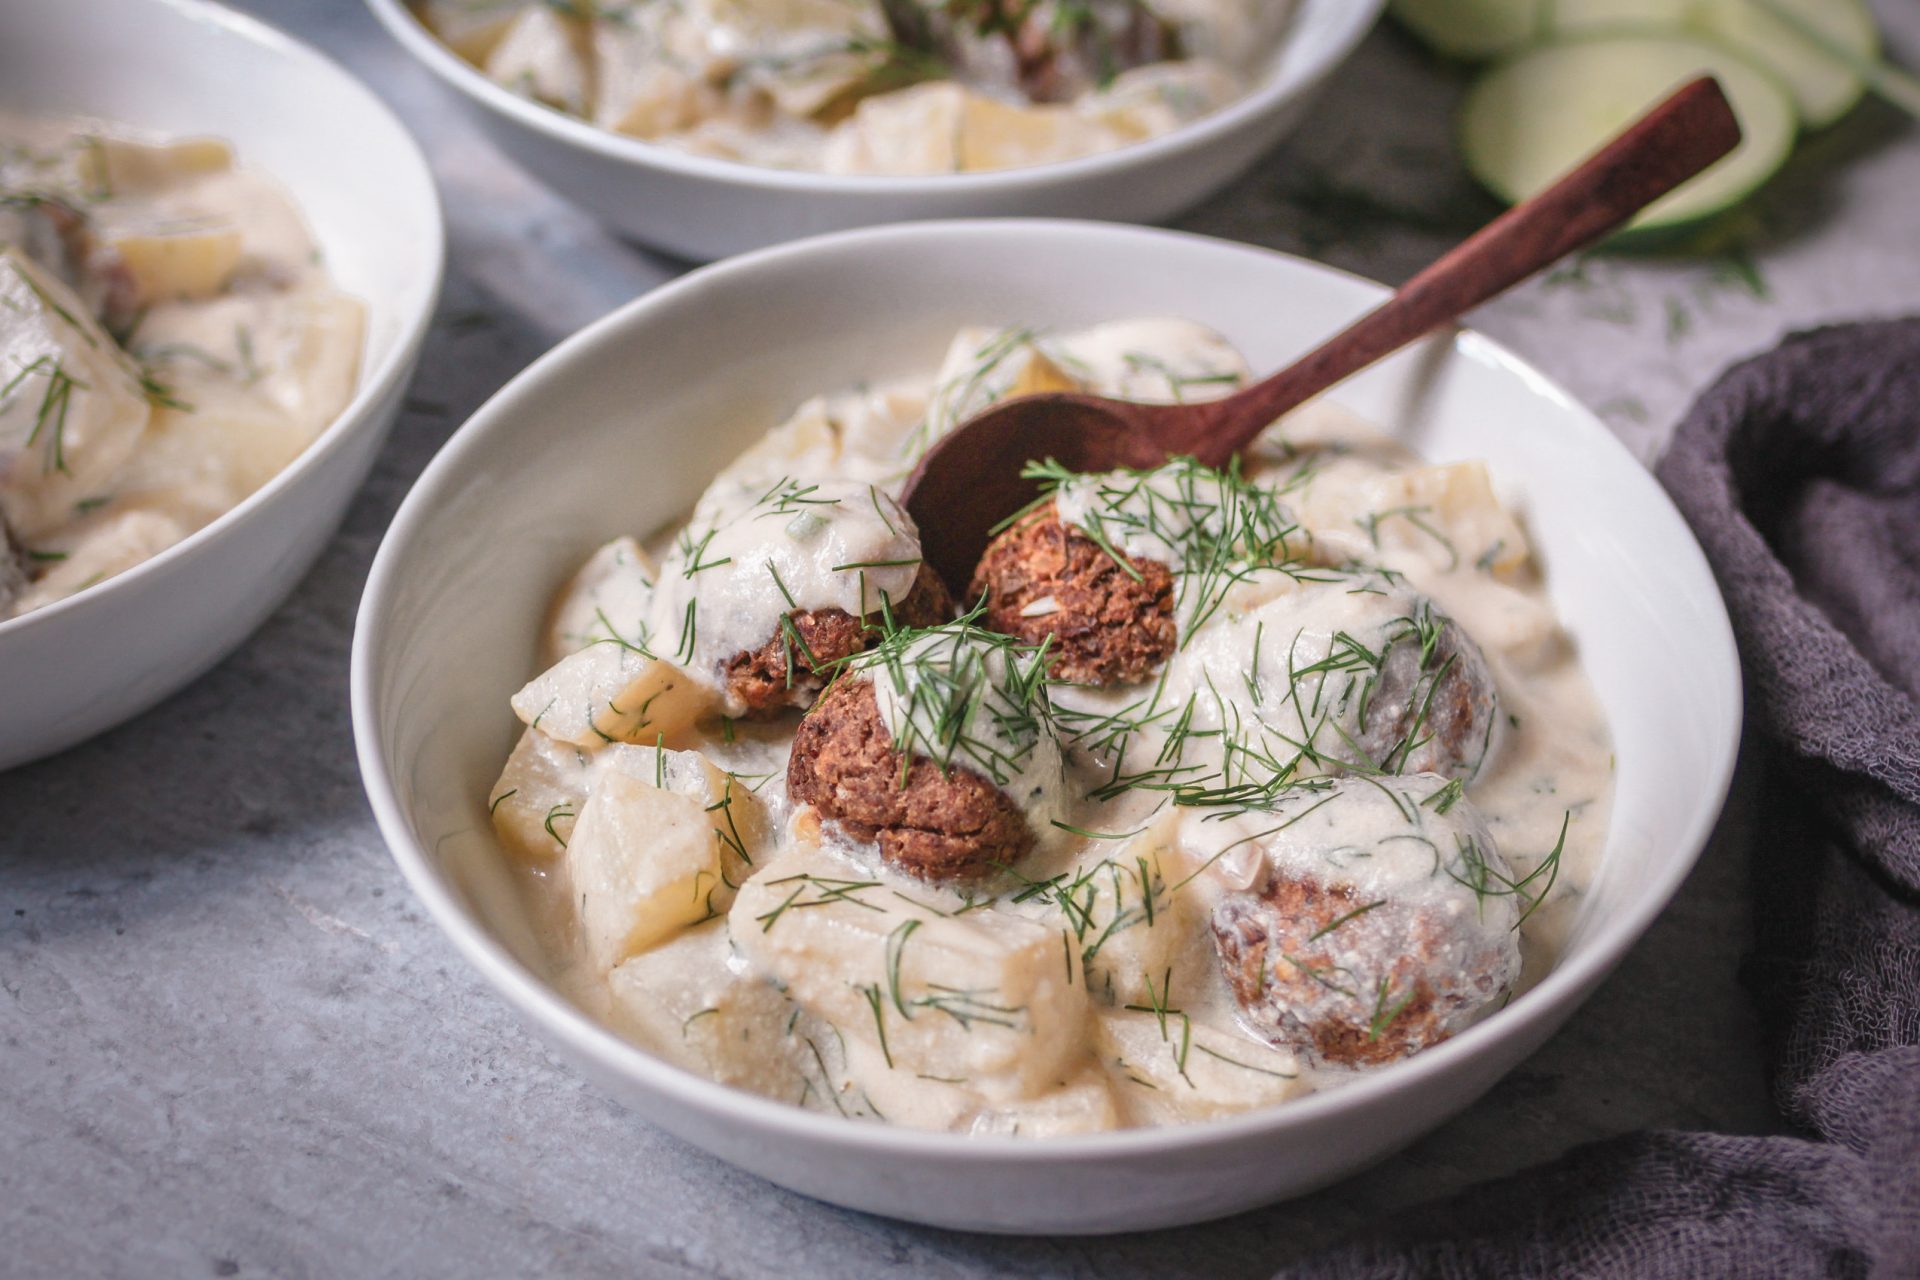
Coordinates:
<point>1473,30</point>
<point>1530,120</point>
<point>1771,33</point>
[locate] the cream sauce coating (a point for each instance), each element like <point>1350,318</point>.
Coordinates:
<point>170,341</point>
<point>872,86</point>
<point>756,552</point>
<point>1084,990</point>
<point>962,703</point>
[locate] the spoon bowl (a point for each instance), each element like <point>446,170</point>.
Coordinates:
<point>971,481</point>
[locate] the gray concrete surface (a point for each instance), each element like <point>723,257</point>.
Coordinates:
<point>231,1044</point>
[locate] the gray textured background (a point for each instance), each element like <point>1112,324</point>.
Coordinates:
<point>232,1045</point>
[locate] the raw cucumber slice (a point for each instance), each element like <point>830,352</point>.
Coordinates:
<point>1473,30</point>
<point>1585,17</point>
<point>1530,120</point>
<point>1823,88</point>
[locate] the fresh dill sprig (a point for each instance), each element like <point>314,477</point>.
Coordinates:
<point>50,416</point>
<point>1488,877</point>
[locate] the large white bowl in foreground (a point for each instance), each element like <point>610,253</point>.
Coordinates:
<point>180,67</point>
<point>618,430</point>
<point>702,208</point>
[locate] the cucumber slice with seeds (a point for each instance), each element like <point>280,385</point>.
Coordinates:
<point>1530,120</point>
<point>1590,17</point>
<point>1824,88</point>
<point>1473,30</point>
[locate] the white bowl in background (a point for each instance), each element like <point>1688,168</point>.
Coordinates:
<point>702,208</point>
<point>86,663</point>
<point>619,429</point>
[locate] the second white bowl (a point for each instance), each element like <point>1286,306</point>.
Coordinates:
<point>85,663</point>
<point>703,209</point>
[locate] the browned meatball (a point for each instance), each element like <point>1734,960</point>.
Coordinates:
<point>820,638</point>
<point>952,825</point>
<point>1044,577</point>
<point>1434,706</point>
<point>1383,921</point>
<point>1403,990</point>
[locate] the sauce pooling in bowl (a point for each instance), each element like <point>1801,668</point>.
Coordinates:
<point>1338,803</point>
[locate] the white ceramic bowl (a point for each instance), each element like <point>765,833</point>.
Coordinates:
<point>619,429</point>
<point>702,209</point>
<point>74,668</point>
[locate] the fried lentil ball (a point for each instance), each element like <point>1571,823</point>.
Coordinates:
<point>1368,674</point>
<point>759,677</point>
<point>1434,707</point>
<point>1372,934</point>
<point>1044,577</point>
<point>937,825</point>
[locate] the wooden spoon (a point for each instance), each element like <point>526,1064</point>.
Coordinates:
<point>970,480</point>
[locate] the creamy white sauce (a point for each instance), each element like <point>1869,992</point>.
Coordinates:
<point>962,702</point>
<point>756,552</point>
<point>834,85</point>
<point>1084,991</point>
<point>169,341</point>
<point>1162,515</point>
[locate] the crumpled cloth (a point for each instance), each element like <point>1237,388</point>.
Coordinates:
<point>1800,473</point>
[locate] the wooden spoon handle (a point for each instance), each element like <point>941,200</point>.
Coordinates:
<point>1670,144</point>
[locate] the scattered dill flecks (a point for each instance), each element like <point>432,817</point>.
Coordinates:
<point>50,416</point>
<point>1735,268</point>
<point>1337,921</point>
<point>1631,408</point>
<point>827,891</point>
<point>1487,877</point>
<point>968,393</point>
<point>1679,321</point>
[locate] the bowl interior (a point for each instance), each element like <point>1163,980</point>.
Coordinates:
<point>1321,34</point>
<point>620,428</point>
<point>357,177</point>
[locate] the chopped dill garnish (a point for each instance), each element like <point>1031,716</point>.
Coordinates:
<point>1214,529</point>
<point>961,695</point>
<point>564,809</point>
<point>1335,923</point>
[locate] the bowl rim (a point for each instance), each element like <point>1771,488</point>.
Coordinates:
<point>1360,16</point>
<point>591,1042</point>
<point>375,384</point>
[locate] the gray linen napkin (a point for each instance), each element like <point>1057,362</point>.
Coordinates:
<point>1800,473</point>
